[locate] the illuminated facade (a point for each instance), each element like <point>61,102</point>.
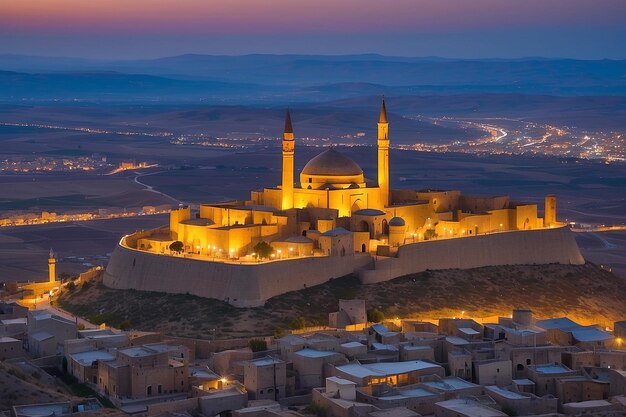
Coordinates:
<point>334,209</point>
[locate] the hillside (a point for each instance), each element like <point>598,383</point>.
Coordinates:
<point>585,293</point>
<point>19,387</point>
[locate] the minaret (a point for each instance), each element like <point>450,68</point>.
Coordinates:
<point>288,149</point>
<point>52,267</point>
<point>383,155</point>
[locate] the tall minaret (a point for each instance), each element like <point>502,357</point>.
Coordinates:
<point>288,149</point>
<point>52,267</point>
<point>383,155</point>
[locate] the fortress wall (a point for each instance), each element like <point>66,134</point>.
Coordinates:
<point>508,248</point>
<point>243,285</point>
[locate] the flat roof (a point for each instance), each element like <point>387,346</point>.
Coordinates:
<point>268,360</point>
<point>340,381</point>
<point>450,384</point>
<point>468,330</point>
<point>562,323</point>
<point>313,353</point>
<point>590,334</point>
<point>523,381</point>
<point>137,351</point>
<point>419,347</point>
<point>511,395</point>
<point>456,340</point>
<point>5,339</point>
<point>470,408</point>
<point>590,403</point>
<point>385,368</point>
<point>382,346</point>
<point>21,320</point>
<point>552,369</point>
<point>352,344</point>
<point>41,335</point>
<point>89,357</point>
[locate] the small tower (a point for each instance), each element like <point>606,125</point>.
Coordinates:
<point>550,211</point>
<point>52,273</point>
<point>383,155</point>
<point>288,151</point>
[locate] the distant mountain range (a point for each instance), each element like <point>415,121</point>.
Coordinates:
<point>298,78</point>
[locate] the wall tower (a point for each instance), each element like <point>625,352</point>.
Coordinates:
<point>288,150</point>
<point>550,211</point>
<point>383,155</point>
<point>52,267</point>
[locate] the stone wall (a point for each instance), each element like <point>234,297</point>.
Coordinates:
<point>249,285</point>
<point>542,246</point>
<point>242,285</point>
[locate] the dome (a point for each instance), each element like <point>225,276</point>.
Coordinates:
<point>397,221</point>
<point>332,163</point>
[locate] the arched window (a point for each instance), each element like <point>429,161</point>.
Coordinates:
<point>385,227</point>
<point>363,248</point>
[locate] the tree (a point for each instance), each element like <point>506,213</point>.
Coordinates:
<point>125,325</point>
<point>71,286</point>
<point>298,323</point>
<point>177,246</point>
<point>430,234</point>
<point>263,249</point>
<point>63,276</point>
<point>375,316</point>
<point>257,345</point>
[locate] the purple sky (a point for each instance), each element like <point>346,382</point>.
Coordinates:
<point>449,28</point>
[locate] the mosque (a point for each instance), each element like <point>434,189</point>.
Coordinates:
<point>334,212</point>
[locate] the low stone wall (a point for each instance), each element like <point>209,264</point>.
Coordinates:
<point>242,285</point>
<point>544,246</point>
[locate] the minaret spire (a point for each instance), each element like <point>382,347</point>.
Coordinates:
<point>288,126</point>
<point>383,154</point>
<point>382,118</point>
<point>288,152</point>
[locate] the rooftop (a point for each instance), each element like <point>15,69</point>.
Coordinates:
<point>385,368</point>
<point>511,395</point>
<point>267,360</point>
<point>562,323</point>
<point>337,231</point>
<point>333,163</point>
<point>470,408</point>
<point>369,212</point>
<point>137,351</point>
<point>5,339</point>
<point>450,384</point>
<point>89,357</point>
<point>552,369</point>
<point>312,353</point>
<point>468,331</point>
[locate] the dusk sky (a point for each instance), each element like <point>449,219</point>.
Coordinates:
<point>448,28</point>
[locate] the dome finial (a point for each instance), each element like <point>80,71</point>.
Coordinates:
<point>383,112</point>
<point>288,127</point>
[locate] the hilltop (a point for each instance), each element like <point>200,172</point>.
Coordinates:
<point>585,293</point>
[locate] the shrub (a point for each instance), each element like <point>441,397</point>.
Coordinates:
<point>298,323</point>
<point>263,249</point>
<point>257,345</point>
<point>375,316</point>
<point>177,246</point>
